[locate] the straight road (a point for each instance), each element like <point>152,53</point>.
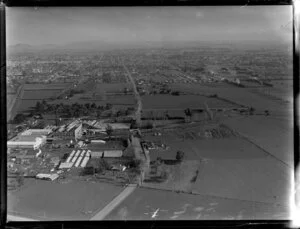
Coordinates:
<point>137,95</point>
<point>115,202</point>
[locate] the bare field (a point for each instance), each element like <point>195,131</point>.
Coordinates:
<point>76,200</point>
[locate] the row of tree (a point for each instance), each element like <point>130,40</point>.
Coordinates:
<point>77,110</point>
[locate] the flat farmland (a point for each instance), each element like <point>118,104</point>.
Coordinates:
<point>52,86</point>
<point>182,102</point>
<point>242,96</point>
<point>142,203</point>
<point>114,100</point>
<point>121,99</point>
<point>76,200</point>
<point>227,148</point>
<point>161,113</point>
<point>25,105</point>
<point>113,87</point>
<point>9,100</point>
<point>277,93</point>
<point>255,179</point>
<point>272,134</point>
<point>233,168</point>
<point>40,94</point>
<point>30,94</point>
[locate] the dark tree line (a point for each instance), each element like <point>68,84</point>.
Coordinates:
<point>75,109</point>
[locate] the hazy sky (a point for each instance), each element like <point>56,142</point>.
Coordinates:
<point>37,26</point>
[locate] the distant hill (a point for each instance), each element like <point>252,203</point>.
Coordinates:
<point>25,48</point>
<point>87,46</point>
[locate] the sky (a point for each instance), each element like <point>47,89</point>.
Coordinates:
<point>57,25</point>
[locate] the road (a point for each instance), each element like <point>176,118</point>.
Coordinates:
<point>13,106</point>
<point>137,96</point>
<point>114,203</point>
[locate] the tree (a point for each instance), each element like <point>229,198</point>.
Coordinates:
<point>109,131</point>
<point>99,114</point>
<point>19,118</point>
<point>176,93</point>
<point>88,171</point>
<point>20,179</point>
<point>267,113</point>
<point>65,156</point>
<point>87,105</point>
<point>108,106</point>
<point>133,124</point>
<point>179,155</point>
<point>39,106</point>
<point>149,125</point>
<point>188,112</point>
<point>166,115</point>
<point>118,113</point>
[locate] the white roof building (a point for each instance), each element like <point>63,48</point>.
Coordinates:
<point>28,139</point>
<point>46,176</point>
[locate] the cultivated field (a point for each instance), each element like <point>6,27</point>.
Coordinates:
<point>113,87</point>
<point>39,94</point>
<point>242,96</point>
<point>182,102</point>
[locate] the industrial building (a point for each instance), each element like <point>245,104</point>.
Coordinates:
<point>75,132</point>
<point>107,153</point>
<point>32,138</point>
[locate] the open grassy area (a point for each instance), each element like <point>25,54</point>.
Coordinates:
<point>76,200</point>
